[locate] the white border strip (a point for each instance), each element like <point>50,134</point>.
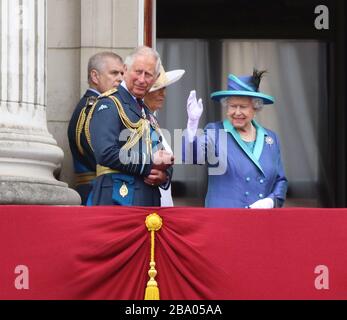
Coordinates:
<point>141,22</point>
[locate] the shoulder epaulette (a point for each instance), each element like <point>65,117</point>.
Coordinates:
<point>91,100</point>
<point>108,93</point>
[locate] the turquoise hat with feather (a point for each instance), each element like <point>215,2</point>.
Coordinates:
<point>247,86</point>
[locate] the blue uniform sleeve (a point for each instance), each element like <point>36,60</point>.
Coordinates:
<point>107,138</point>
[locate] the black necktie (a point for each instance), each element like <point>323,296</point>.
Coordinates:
<point>140,103</point>
<point>142,107</point>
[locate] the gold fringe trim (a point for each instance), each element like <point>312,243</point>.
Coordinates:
<point>138,129</point>
<point>81,122</point>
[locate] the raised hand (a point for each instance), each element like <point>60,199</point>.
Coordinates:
<point>194,110</point>
<point>194,107</point>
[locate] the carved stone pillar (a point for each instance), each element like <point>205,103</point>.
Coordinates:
<point>28,153</point>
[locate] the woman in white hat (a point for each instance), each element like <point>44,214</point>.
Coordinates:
<point>154,100</point>
<point>251,174</point>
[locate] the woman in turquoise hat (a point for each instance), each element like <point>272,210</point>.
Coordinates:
<point>244,158</point>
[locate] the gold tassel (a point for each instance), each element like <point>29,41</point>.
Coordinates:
<point>153,223</point>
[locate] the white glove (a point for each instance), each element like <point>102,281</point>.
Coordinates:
<point>194,110</point>
<point>266,203</point>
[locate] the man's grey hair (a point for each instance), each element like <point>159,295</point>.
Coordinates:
<point>144,51</point>
<point>257,103</point>
<point>97,61</point>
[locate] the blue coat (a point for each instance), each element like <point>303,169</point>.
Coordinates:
<point>105,129</point>
<point>237,176</point>
<point>83,163</point>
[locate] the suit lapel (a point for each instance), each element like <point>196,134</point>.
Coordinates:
<point>254,157</point>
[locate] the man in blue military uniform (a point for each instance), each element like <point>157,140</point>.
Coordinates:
<point>105,71</point>
<point>244,159</point>
<point>126,143</point>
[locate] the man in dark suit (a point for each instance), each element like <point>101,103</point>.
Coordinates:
<point>105,71</point>
<point>126,143</point>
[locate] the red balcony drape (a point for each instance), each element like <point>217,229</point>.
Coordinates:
<point>104,252</point>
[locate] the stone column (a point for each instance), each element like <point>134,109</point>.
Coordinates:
<point>28,153</point>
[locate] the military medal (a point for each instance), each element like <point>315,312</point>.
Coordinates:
<point>269,140</point>
<point>143,113</point>
<point>123,191</point>
<point>153,121</point>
